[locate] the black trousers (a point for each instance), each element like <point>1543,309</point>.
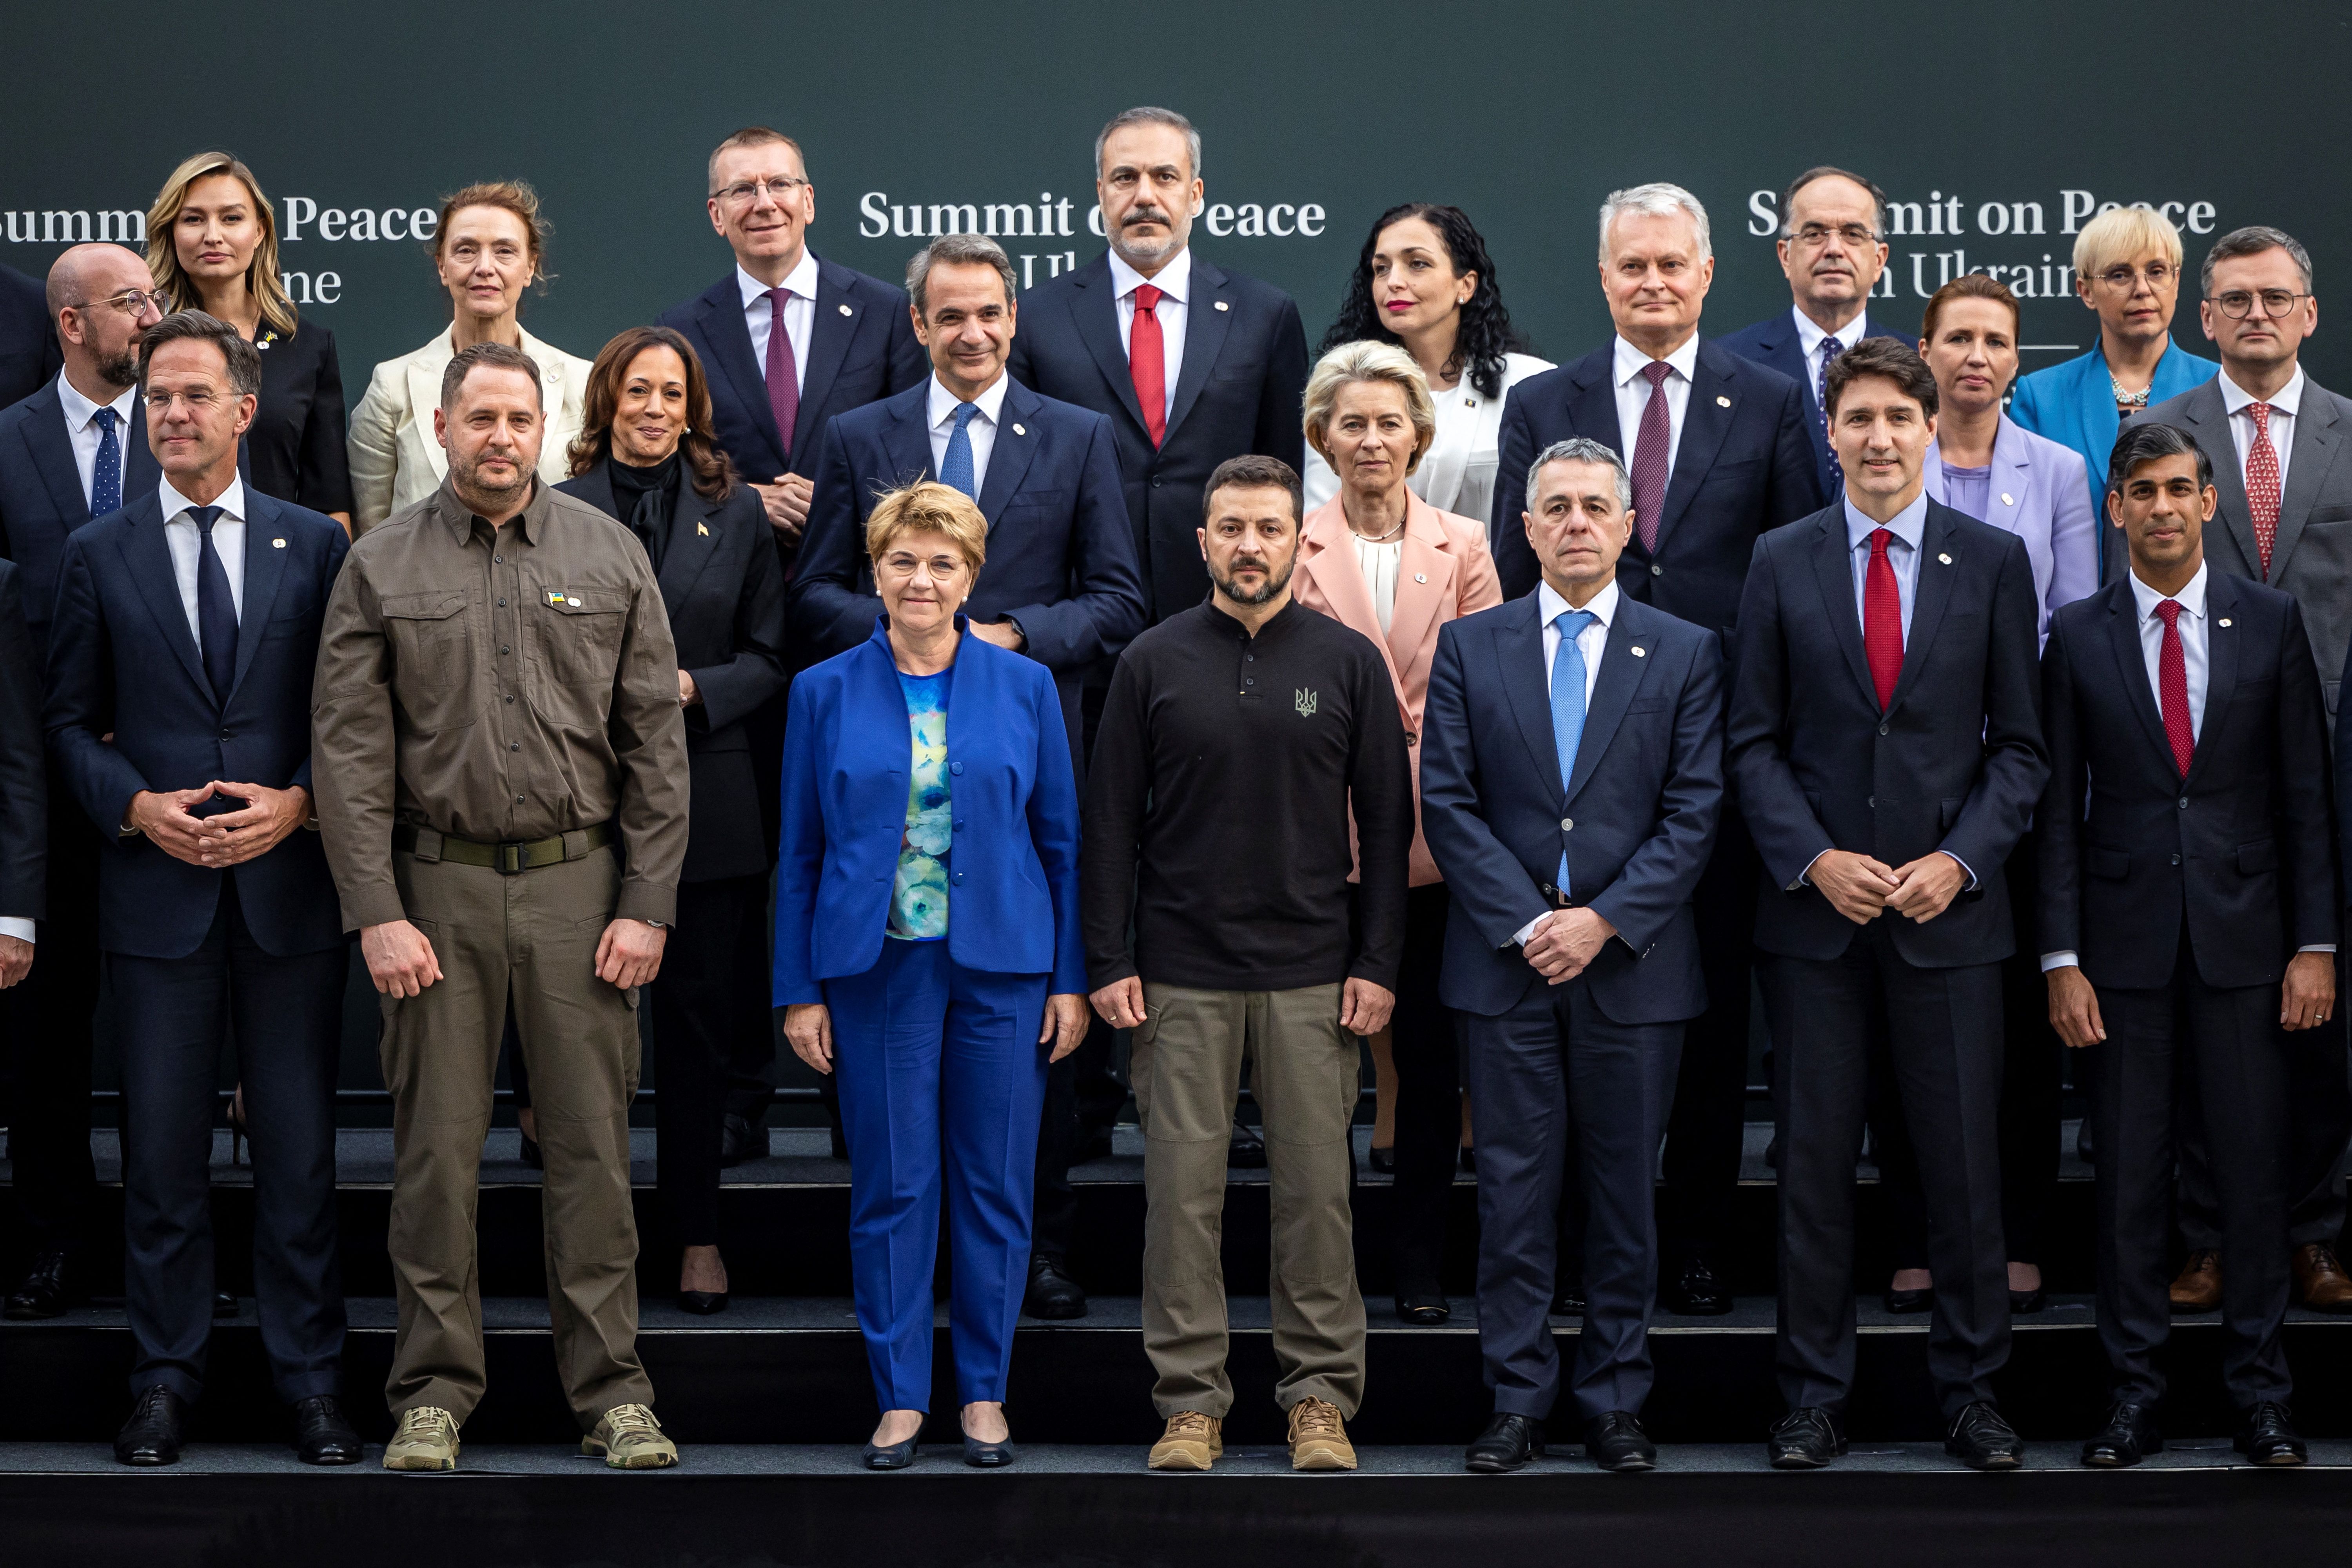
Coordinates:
<point>1943,1045</point>
<point>1424,1036</point>
<point>713,983</point>
<point>1553,1079</point>
<point>2319,1125</point>
<point>285,1015</point>
<point>1701,1170</point>
<point>48,1021</point>
<point>2223,1050</point>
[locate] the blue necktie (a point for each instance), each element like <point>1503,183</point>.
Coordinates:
<point>1831,349</point>
<point>1568,705</point>
<point>956,471</point>
<point>216,606</point>
<point>106,474</point>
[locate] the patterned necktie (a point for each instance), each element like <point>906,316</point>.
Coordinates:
<point>2262,484</point>
<point>1882,618</point>
<point>955,470</point>
<point>783,372</point>
<point>1651,442</point>
<point>216,606</point>
<point>1831,349</point>
<point>2172,687</point>
<point>106,474</point>
<point>1567,704</point>
<point>1146,361</point>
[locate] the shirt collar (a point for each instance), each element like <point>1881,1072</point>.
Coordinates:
<point>231,501</point>
<point>1630,360</point>
<point>1602,606</point>
<point>2191,596</point>
<point>460,517</point>
<point>1175,279</point>
<point>80,410</point>
<point>1809,334</point>
<point>1910,524</point>
<point>801,280</point>
<point>991,402</point>
<point>2286,400</point>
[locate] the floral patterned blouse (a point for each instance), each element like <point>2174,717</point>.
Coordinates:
<point>919,899</point>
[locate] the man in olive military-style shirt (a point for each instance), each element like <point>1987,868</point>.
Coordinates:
<point>500,761</point>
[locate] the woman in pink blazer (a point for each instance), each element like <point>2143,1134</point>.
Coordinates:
<point>1380,559</point>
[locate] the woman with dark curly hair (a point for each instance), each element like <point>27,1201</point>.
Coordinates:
<point>1425,283</point>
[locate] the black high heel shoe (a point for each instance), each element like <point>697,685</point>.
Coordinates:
<point>238,1132</point>
<point>896,1456</point>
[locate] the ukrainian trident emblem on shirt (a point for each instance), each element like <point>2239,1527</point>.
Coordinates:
<point>1304,702</point>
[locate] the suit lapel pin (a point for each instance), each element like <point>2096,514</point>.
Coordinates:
<point>2224,621</point>
<point>277,545</point>
<point>847,311</point>
<point>1019,430</point>
<point>1722,401</point>
<point>702,530</point>
<point>1640,652</point>
<point>1421,576</point>
<point>1223,306</point>
<point>1945,559</point>
<point>2005,500</point>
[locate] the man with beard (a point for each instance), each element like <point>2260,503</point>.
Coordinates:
<point>500,765</point>
<point>1234,740</point>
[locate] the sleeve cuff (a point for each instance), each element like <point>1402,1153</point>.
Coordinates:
<point>2051,960</point>
<point>2318,947</point>
<point>373,906</point>
<point>1805,877</point>
<point>1526,932</point>
<point>18,927</point>
<point>646,901</point>
<point>1970,885</point>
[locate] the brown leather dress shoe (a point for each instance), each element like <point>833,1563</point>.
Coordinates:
<point>2198,1287</point>
<point>2320,1282</point>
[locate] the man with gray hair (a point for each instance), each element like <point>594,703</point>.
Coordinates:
<point>1572,782</point>
<point>1717,452</point>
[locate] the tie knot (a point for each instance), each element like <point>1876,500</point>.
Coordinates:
<point>2168,612</point>
<point>1571,623</point>
<point>2262,413</point>
<point>1880,538</point>
<point>205,517</point>
<point>105,418</point>
<point>963,412</point>
<point>1657,370</point>
<point>1147,296</point>
<point>780,297</point>
<point>1831,348</point>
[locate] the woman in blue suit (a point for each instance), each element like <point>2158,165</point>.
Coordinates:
<point>928,950</point>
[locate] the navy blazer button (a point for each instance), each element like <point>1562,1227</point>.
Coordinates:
<point>2184,803</point>
<point>1872,803</point>
<point>1567,824</point>
<point>1657,570</point>
<point>2175,860</point>
<point>1881,729</point>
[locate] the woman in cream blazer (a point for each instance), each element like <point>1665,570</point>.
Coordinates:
<point>488,247</point>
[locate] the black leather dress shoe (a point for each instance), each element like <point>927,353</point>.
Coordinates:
<point>2268,1438</point>
<point>1616,1442</point>
<point>1052,1294</point>
<point>1695,1292</point>
<point>1508,1443</point>
<point>1568,1302</point>
<point>1424,1310</point>
<point>702,1303</point>
<point>1382,1160</point>
<point>1902,1303</point>
<point>1805,1439</point>
<point>2025,1303</point>
<point>2129,1437</point>
<point>50,1287</point>
<point>224,1304</point>
<point>152,1435</point>
<point>1246,1150</point>
<point>740,1140</point>
<point>321,1436</point>
<point>1981,1440</point>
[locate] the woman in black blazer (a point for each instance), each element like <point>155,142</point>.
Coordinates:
<point>212,244</point>
<point>646,455</point>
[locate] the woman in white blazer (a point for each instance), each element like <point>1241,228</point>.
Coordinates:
<point>1425,283</point>
<point>489,246</point>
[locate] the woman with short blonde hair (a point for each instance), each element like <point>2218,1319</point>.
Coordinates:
<point>929,508</point>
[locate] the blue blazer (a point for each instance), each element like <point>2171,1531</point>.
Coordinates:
<point>123,661</point>
<point>41,500</point>
<point>1773,344</point>
<point>1742,468</point>
<point>2072,403</point>
<point>1012,900</point>
<point>1645,797</point>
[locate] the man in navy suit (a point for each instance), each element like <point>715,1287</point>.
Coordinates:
<point>1060,584</point>
<point>1833,251</point>
<point>2189,915</point>
<point>179,707</point>
<point>1886,743</point>
<point>73,450</point>
<point>28,342</point>
<point>1570,783</point>
<point>1715,445</point>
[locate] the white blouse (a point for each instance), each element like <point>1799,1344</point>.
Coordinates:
<point>1377,560</point>
<point>1457,472</point>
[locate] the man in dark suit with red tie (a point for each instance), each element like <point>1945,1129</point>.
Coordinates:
<point>1885,736</point>
<point>2190,916</point>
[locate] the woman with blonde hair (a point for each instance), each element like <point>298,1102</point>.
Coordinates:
<point>212,245</point>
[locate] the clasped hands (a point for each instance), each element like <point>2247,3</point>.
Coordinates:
<point>229,839</point>
<point>1565,942</point>
<point>1859,885</point>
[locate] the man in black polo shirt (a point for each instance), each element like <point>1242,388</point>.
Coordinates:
<point>1234,738</point>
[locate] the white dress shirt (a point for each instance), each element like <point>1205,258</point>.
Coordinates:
<point>1809,339</point>
<point>1175,282</point>
<point>2196,644</point>
<point>186,541</point>
<point>982,430</point>
<point>1909,527</point>
<point>800,314</point>
<point>82,429</point>
<point>1592,642</point>
<point>2284,404</point>
<point>1633,396</point>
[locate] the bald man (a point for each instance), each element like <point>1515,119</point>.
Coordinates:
<point>73,451</point>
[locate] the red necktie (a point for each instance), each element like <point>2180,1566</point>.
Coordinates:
<point>1146,361</point>
<point>1651,440</point>
<point>1882,618</point>
<point>783,375</point>
<point>2262,484</point>
<point>2172,683</point>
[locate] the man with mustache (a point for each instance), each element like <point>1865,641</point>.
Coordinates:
<point>1234,740</point>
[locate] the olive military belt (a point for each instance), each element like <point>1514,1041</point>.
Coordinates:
<point>509,859</point>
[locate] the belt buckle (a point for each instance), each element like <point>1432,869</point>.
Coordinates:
<point>510,860</point>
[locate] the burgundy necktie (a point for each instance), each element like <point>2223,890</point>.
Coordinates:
<point>1882,620</point>
<point>784,374</point>
<point>2172,686</point>
<point>1650,443</point>
<point>1146,361</point>
<point>2262,484</point>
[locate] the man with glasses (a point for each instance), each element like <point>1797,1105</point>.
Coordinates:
<point>74,450</point>
<point>2274,435</point>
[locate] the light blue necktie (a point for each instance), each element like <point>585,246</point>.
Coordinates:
<point>1567,704</point>
<point>955,471</point>
<point>106,473</point>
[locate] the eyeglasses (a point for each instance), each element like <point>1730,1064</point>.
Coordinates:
<point>902,564</point>
<point>132,302</point>
<point>2237,303</point>
<point>1813,235</point>
<point>2123,280</point>
<point>198,402</point>
<point>743,193</point>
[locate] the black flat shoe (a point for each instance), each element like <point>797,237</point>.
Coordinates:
<point>2025,1303</point>
<point>982,1455</point>
<point>321,1436</point>
<point>2268,1438</point>
<point>1246,1151</point>
<point>1616,1442</point>
<point>1695,1292</point>
<point>1981,1440</point>
<point>1805,1439</point>
<point>1904,1302</point>
<point>1507,1445</point>
<point>224,1304</point>
<point>2129,1437</point>
<point>896,1456</point>
<point>530,1154</point>
<point>702,1303</point>
<point>1569,1300</point>
<point>1052,1295</point>
<point>152,1435</point>
<point>49,1288</point>
<point>1382,1160</point>
<point>1423,1311</point>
